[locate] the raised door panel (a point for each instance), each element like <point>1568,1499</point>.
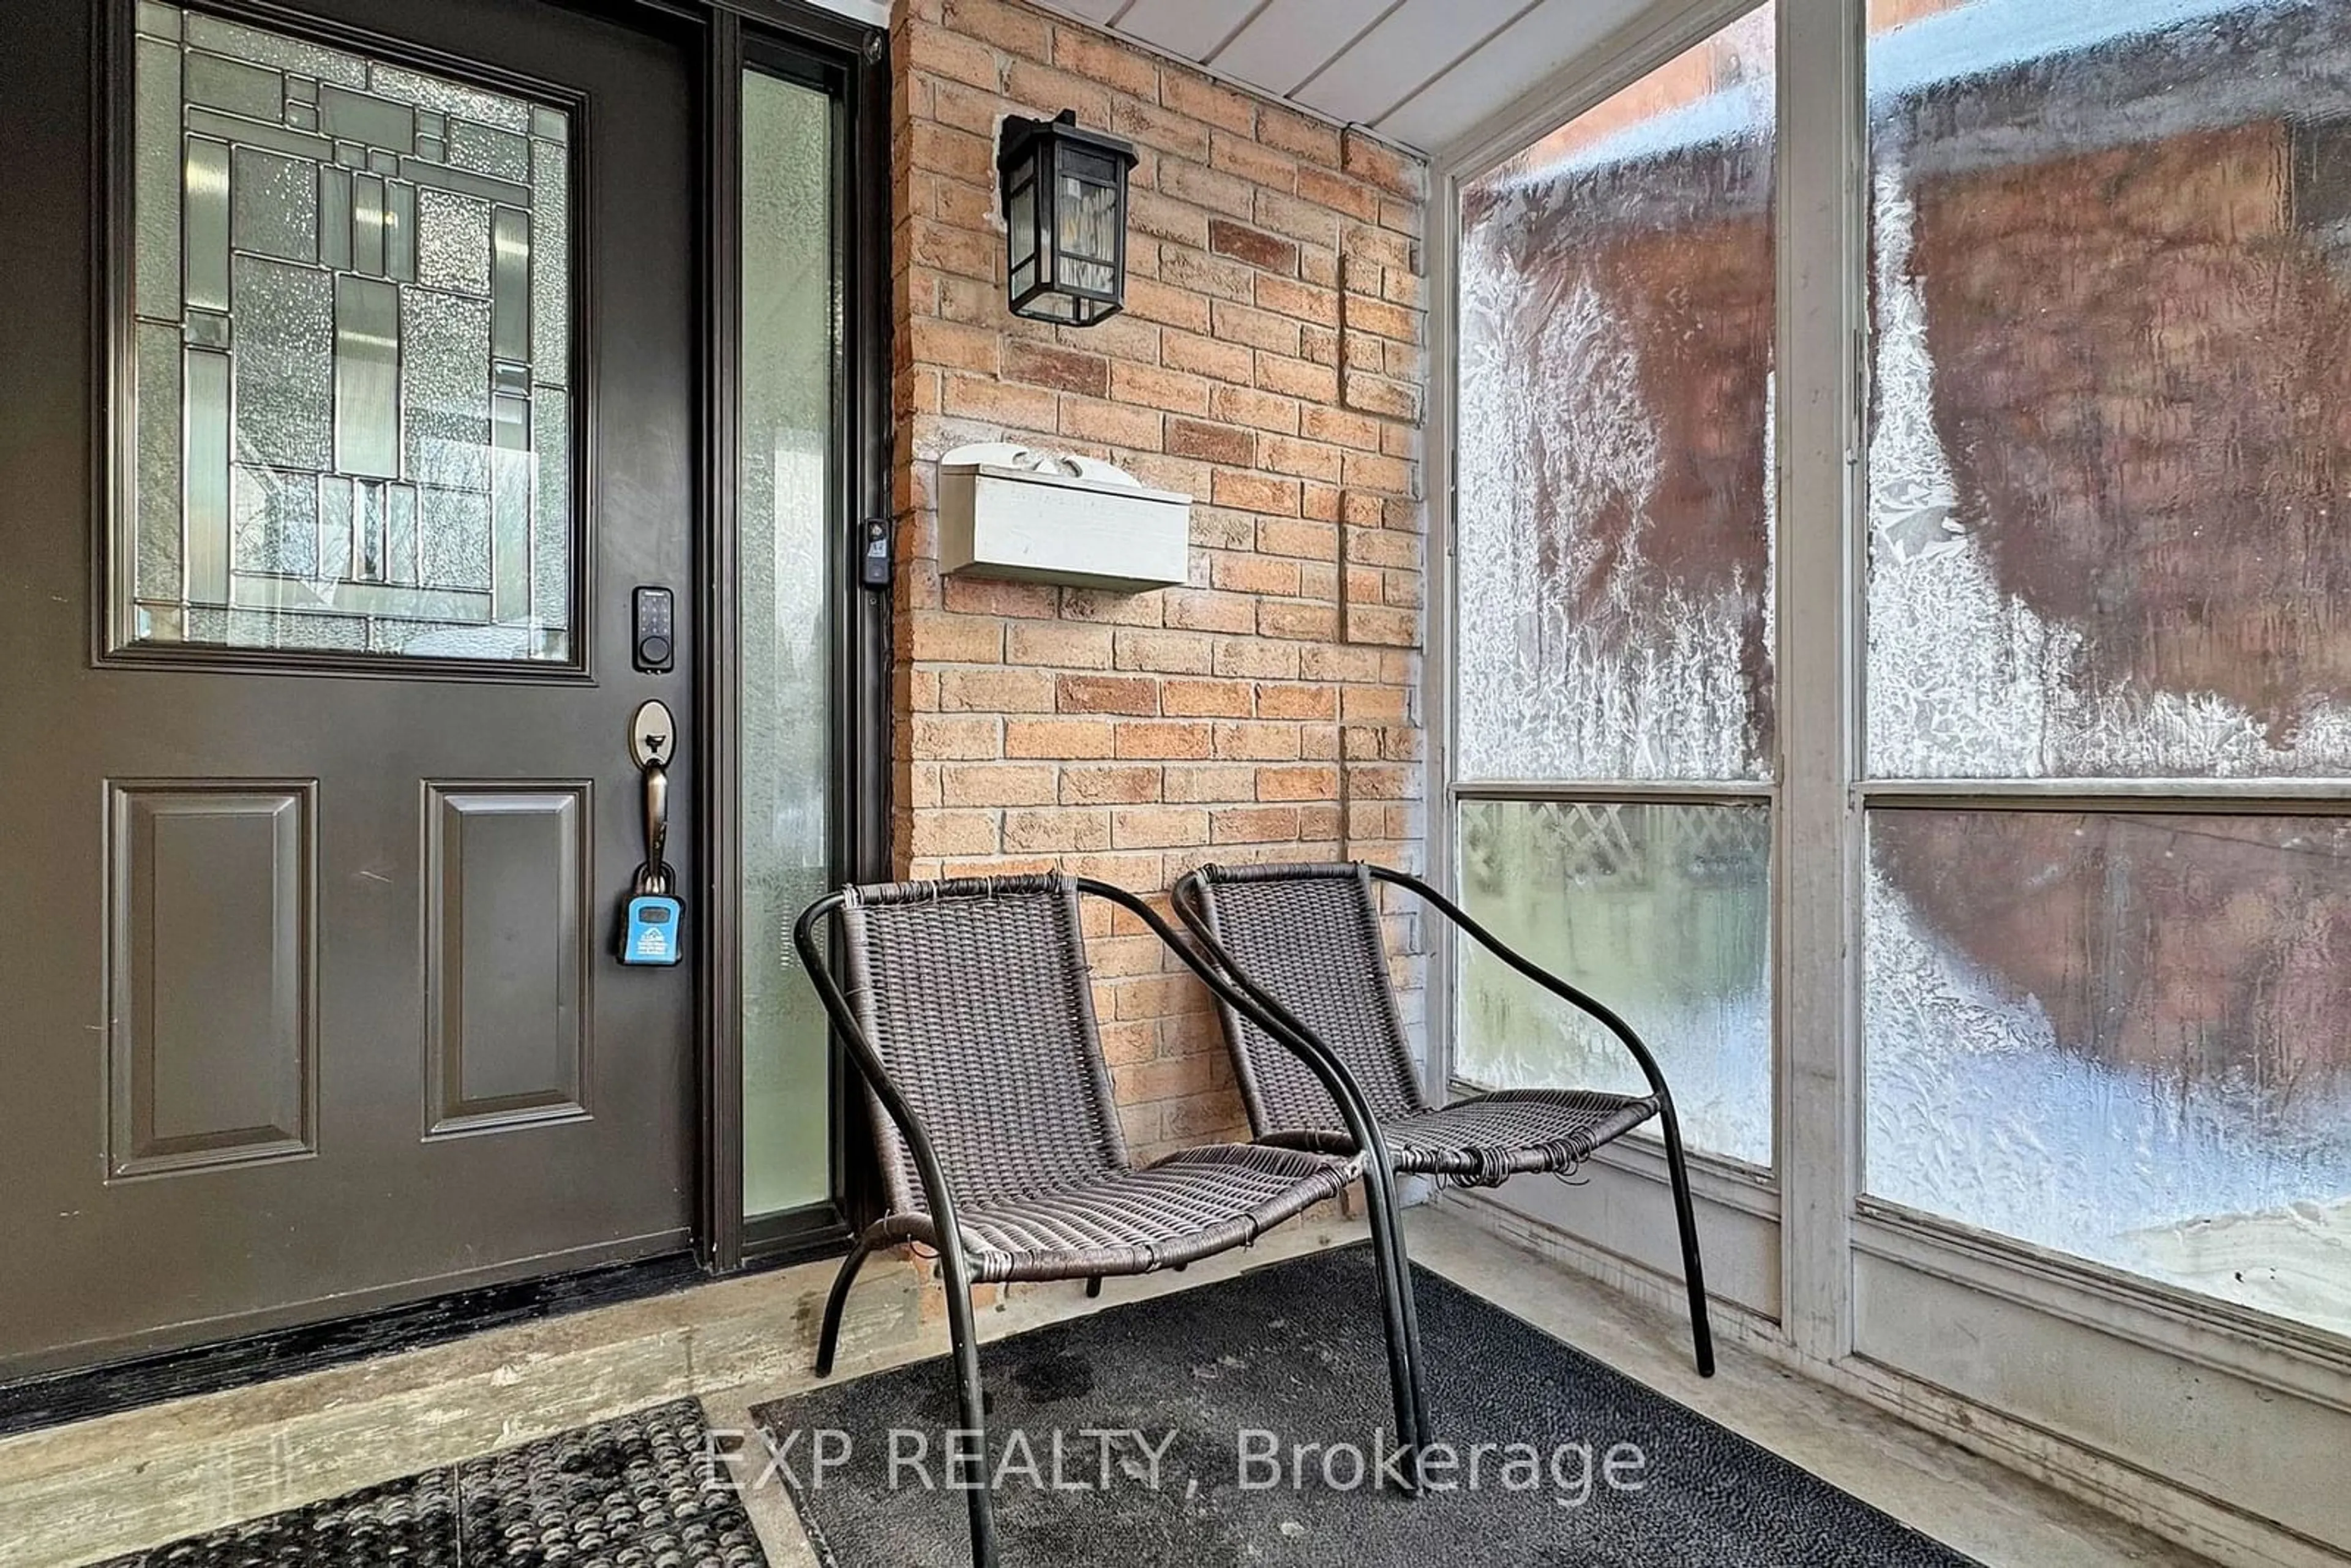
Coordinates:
<point>211,1021</point>
<point>506,930</point>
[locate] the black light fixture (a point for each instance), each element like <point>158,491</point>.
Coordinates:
<point>1065,218</point>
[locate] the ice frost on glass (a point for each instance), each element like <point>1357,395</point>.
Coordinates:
<point>1613,508</point>
<point>1661,912</point>
<point>313,446</point>
<point>2119,1037</point>
<point>2108,461</point>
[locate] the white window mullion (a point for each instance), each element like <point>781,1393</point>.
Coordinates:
<point>1818,398</point>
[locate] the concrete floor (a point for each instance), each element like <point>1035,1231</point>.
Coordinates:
<point>77,1494</point>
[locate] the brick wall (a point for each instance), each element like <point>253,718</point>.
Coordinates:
<point>1269,365</point>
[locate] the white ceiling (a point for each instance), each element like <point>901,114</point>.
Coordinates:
<point>1421,72</point>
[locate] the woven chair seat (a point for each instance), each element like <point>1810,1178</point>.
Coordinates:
<point>1487,1139</point>
<point>1192,1204</point>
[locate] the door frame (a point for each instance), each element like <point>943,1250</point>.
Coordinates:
<point>739,34</point>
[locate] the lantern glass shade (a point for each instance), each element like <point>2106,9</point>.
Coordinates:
<point>1065,220</point>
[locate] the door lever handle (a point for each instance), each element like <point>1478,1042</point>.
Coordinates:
<point>655,870</point>
<point>653,744</point>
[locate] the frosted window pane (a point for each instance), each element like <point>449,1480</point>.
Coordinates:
<point>2107,455</point>
<point>2119,1037</point>
<point>1614,510</point>
<point>312,460</point>
<point>786,493</point>
<point>1661,912</point>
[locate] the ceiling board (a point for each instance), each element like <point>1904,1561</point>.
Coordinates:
<point>1423,73</point>
<point>1190,29</point>
<point>1395,59</point>
<point>1530,51</point>
<point>1291,39</point>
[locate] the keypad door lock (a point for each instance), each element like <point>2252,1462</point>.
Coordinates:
<point>653,629</point>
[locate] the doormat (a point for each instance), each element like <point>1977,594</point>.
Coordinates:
<point>624,1493</point>
<point>1246,1422</point>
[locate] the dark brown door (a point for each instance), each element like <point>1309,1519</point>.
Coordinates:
<point>318,798</point>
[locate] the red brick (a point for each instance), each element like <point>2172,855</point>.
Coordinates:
<point>1206,356</point>
<point>1209,100</point>
<point>1157,827</point>
<point>1092,56</point>
<point>1211,443</point>
<point>1396,172</point>
<point>1178,392</point>
<point>1259,248</point>
<point>1315,141</point>
<point>996,691</point>
<point>1107,693</point>
<point>1178,739</point>
<point>999,784</point>
<point>1207,699</point>
<point>1087,374</point>
<point>1113,424</point>
<point>1117,784</point>
<point>1057,739</point>
<point>1027,408</point>
<point>1253,824</point>
<point>1256,492</point>
<point>1308,783</point>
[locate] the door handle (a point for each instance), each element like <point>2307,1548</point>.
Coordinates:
<point>655,875</point>
<point>652,743</point>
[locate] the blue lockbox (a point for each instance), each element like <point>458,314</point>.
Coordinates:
<point>651,935</point>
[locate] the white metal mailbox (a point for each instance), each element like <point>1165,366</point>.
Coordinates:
<point>1009,511</point>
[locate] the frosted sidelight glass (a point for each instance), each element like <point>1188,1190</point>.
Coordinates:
<point>2108,465</point>
<point>787,498</point>
<point>1614,510</point>
<point>2118,1036</point>
<point>1662,911</point>
<point>353,423</point>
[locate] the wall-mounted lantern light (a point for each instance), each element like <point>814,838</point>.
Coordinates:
<point>1065,218</point>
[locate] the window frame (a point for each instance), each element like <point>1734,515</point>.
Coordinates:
<point>1828,1232</point>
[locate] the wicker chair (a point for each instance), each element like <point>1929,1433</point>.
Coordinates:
<point>969,1012</point>
<point>1304,941</point>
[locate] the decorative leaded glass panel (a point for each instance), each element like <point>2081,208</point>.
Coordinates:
<point>353,285</point>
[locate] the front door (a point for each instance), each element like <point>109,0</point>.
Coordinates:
<point>320,802</point>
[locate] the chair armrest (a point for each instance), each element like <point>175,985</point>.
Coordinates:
<point>1575,996</point>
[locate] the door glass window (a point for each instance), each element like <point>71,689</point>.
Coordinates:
<point>351,284</point>
<point>789,349</point>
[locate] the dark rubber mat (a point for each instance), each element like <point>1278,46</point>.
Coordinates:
<point>624,1493</point>
<point>1292,1356</point>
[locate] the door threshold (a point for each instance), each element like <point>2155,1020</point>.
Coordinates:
<point>53,1399</point>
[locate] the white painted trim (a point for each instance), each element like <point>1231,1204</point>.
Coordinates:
<point>1817,829</point>
<point>2117,1487</point>
<point>1441,255</point>
<point>2291,1358</point>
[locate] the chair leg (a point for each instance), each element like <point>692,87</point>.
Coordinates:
<point>973,1400</point>
<point>1401,1319</point>
<point>1094,1286</point>
<point>1693,1271</point>
<point>829,1339</point>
